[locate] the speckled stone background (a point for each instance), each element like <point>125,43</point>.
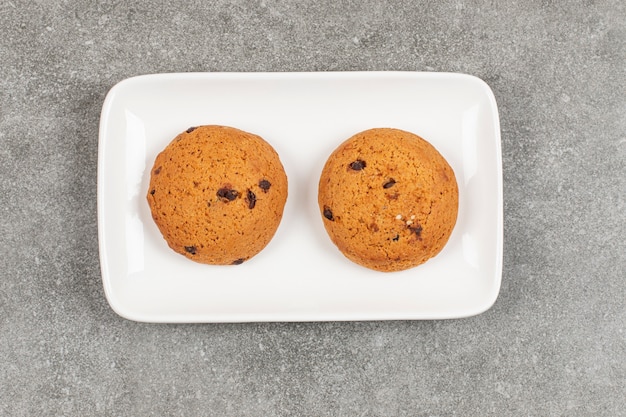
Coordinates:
<point>553,344</point>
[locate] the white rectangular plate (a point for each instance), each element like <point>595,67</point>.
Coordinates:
<point>300,275</point>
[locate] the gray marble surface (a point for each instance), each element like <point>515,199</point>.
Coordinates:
<point>553,344</point>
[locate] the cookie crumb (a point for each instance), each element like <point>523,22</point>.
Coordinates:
<point>399,217</point>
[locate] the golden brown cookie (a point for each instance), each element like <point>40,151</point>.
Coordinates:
<point>388,199</point>
<point>217,194</point>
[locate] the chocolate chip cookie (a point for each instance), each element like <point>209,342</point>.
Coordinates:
<point>388,199</point>
<point>217,194</point>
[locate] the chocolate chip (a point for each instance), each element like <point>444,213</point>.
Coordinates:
<point>328,214</point>
<point>227,194</point>
<point>238,261</point>
<point>264,185</point>
<point>157,171</point>
<point>190,249</point>
<point>417,229</point>
<point>152,192</point>
<point>191,129</point>
<point>389,183</point>
<point>251,198</point>
<point>357,165</point>
<point>395,239</point>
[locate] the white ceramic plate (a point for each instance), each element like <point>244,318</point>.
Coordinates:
<point>300,275</point>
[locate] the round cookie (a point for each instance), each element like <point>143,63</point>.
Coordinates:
<point>388,199</point>
<point>217,194</point>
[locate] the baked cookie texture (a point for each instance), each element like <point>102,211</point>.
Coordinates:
<point>217,194</point>
<point>388,199</point>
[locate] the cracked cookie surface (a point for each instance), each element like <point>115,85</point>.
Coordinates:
<point>217,194</point>
<point>388,199</point>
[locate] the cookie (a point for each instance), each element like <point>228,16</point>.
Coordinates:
<point>217,194</point>
<point>388,199</point>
